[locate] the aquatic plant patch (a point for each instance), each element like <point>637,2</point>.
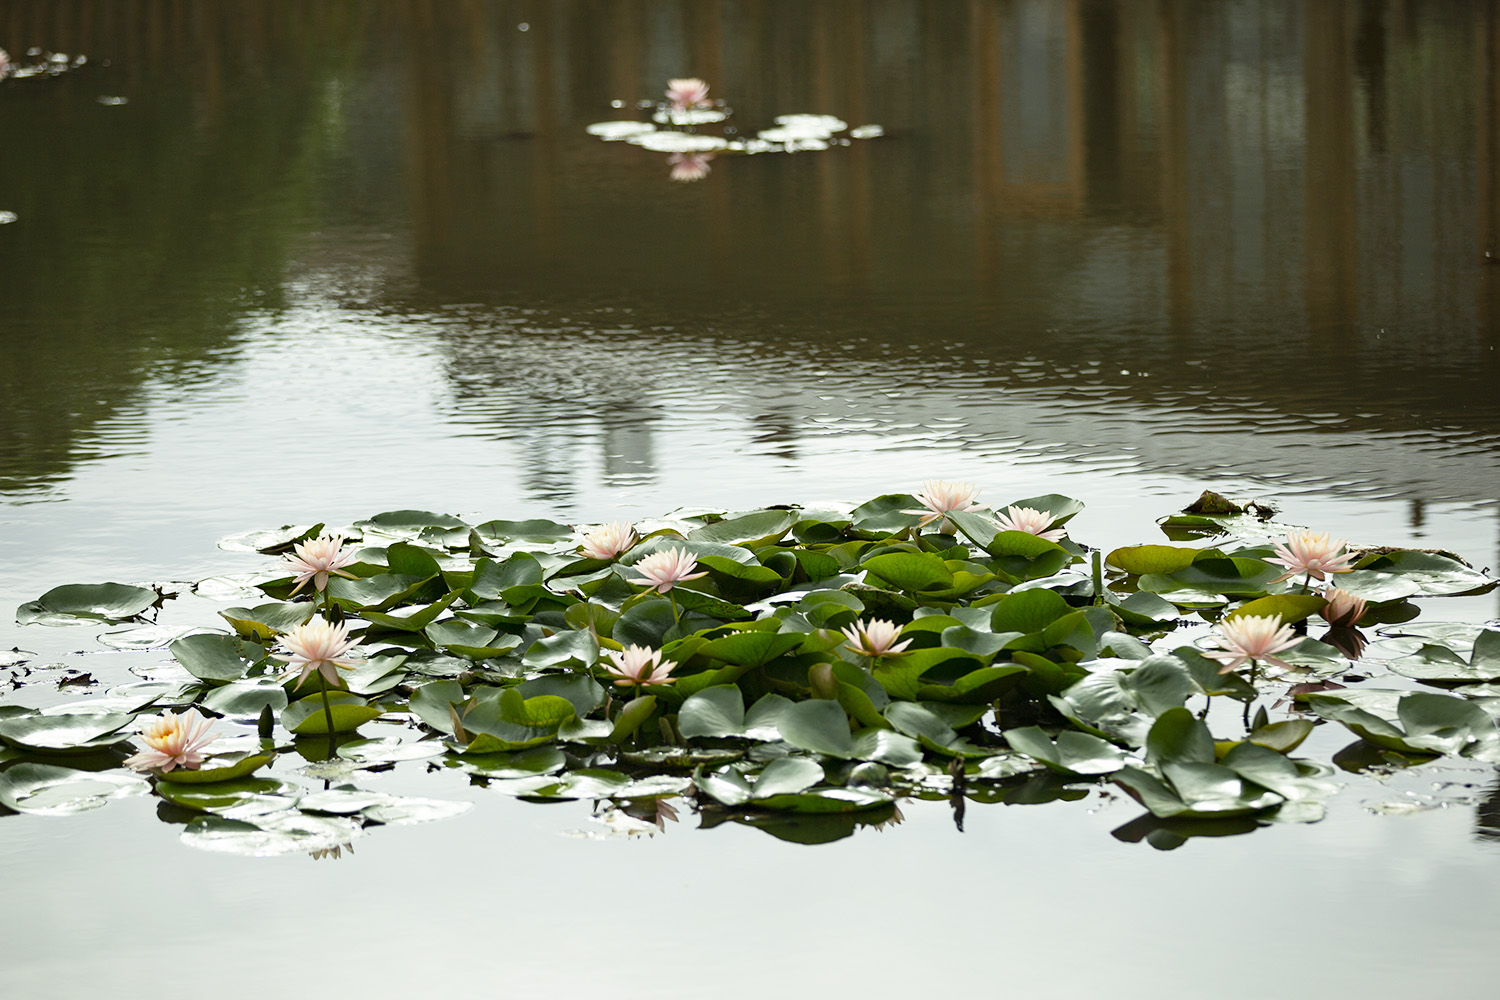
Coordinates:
<point>804,671</point>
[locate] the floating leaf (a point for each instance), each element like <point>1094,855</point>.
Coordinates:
<point>47,790</point>
<point>217,658</point>
<point>306,717</point>
<point>87,602</point>
<point>224,767</point>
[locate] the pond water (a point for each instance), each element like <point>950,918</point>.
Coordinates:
<point>286,263</point>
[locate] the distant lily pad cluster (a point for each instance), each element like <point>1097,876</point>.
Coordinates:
<point>679,127</point>
<point>800,669</point>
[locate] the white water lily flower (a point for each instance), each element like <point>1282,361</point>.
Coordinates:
<point>639,666</point>
<point>317,558</point>
<point>1252,637</point>
<point>688,92</point>
<point>174,741</point>
<point>1031,521</point>
<point>664,570</point>
<point>321,646</point>
<point>944,496</point>
<point>610,540</point>
<point>876,638</point>
<point>1343,608</point>
<point>1312,554</point>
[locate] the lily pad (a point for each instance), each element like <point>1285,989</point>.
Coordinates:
<point>48,790</point>
<point>80,602</point>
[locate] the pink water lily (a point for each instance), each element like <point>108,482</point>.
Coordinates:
<point>1252,638</point>
<point>174,741</point>
<point>1313,554</point>
<point>688,92</point>
<point>318,557</point>
<point>638,666</point>
<point>4,64</point>
<point>664,570</point>
<point>1343,608</point>
<point>1031,521</point>
<point>941,497</point>
<point>318,646</point>
<point>875,638</point>
<point>610,540</point>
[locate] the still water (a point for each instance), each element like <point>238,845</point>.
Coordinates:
<point>280,263</point>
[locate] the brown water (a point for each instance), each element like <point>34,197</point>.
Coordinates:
<point>330,259</point>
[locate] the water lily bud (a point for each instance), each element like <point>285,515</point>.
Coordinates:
<point>267,723</point>
<point>824,684</point>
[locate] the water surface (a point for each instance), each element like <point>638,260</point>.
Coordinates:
<point>327,260</point>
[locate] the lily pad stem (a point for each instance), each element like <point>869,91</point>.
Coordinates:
<point>327,710</point>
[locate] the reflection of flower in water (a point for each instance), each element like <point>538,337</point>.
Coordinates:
<point>638,816</point>
<point>174,741</point>
<point>688,92</point>
<point>894,819</point>
<point>331,853</point>
<point>1349,641</point>
<point>688,167</point>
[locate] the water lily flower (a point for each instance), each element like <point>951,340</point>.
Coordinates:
<point>943,496</point>
<point>688,167</point>
<point>875,638</point>
<point>664,570</point>
<point>1252,637</point>
<point>610,540</point>
<point>689,92</point>
<point>1031,521</point>
<point>317,558</point>
<point>321,646</point>
<point>4,64</point>
<point>1343,608</point>
<point>638,666</point>
<point>174,740</point>
<point>1311,553</point>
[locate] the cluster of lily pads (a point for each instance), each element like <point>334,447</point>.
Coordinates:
<point>677,128</point>
<point>799,669</point>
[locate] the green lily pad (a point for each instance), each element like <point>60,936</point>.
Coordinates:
<point>264,794</point>
<point>225,767</point>
<point>272,834</point>
<point>75,732</point>
<point>264,622</point>
<point>1072,753</point>
<point>84,602</point>
<point>307,718</point>
<point>48,790</point>
<point>217,658</point>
